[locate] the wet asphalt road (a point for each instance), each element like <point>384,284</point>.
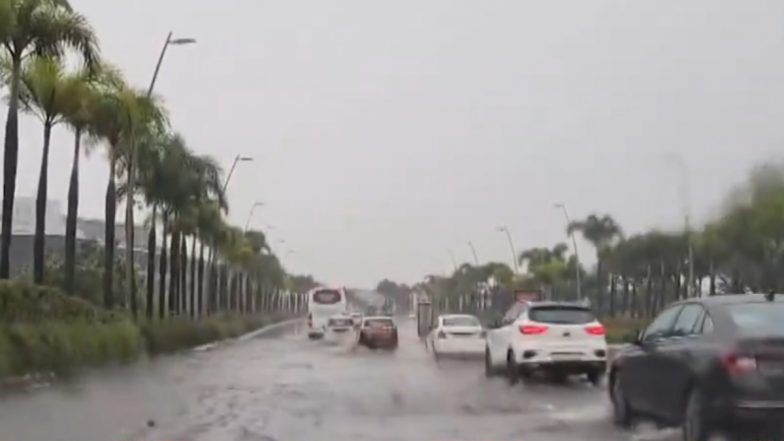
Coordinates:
<point>279,386</point>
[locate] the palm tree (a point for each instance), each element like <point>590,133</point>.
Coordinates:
<point>121,114</point>
<point>41,27</point>
<point>160,157</point>
<point>601,232</point>
<point>209,224</point>
<point>81,120</point>
<point>49,92</point>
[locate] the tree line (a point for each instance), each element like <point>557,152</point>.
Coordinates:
<point>205,265</point>
<point>739,250</point>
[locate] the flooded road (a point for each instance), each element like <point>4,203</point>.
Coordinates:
<point>279,386</point>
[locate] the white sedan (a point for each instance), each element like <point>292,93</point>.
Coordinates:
<point>340,328</point>
<point>457,334</point>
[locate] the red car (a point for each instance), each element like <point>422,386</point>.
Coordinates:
<point>378,332</point>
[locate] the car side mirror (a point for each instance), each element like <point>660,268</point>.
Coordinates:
<point>634,337</point>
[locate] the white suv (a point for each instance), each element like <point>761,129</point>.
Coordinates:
<point>558,338</point>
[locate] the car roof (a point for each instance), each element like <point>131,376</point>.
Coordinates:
<point>443,316</point>
<point>733,299</point>
<point>554,303</point>
<point>378,317</point>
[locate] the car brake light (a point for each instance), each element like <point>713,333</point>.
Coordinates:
<point>310,320</point>
<point>533,329</point>
<point>441,334</point>
<point>595,329</point>
<point>738,364</point>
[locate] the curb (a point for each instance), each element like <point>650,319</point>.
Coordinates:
<point>248,336</point>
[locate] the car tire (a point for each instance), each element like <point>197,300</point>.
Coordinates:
<point>622,412</point>
<point>490,371</point>
<point>512,370</point>
<point>695,425</point>
<point>595,377</point>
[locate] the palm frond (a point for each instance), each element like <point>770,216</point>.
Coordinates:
<point>55,29</point>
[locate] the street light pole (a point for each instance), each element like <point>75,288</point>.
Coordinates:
<point>504,229</point>
<point>237,159</point>
<point>452,257</point>
<point>577,275</point>
<point>473,252</point>
<point>250,214</point>
<point>129,222</point>
<point>169,41</point>
<point>685,190</point>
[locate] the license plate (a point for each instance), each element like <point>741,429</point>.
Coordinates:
<point>565,357</point>
<point>774,368</point>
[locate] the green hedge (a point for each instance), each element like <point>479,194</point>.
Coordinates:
<point>22,302</point>
<point>617,329</point>
<point>61,346</point>
<point>175,334</point>
<point>43,330</point>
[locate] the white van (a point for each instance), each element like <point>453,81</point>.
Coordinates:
<point>324,303</point>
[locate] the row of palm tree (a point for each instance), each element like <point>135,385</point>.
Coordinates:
<point>148,164</point>
<point>740,250</point>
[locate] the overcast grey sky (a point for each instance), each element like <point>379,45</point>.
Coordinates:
<point>387,132</point>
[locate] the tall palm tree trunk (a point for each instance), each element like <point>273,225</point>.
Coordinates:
<point>110,212</point>
<point>194,308</point>
<point>162,309</point>
<point>151,265</point>
<point>174,277</point>
<point>612,280</point>
<point>10,163</point>
<point>71,217</point>
<point>39,242</point>
<point>649,291</point>
<point>184,274</point>
<point>200,279</point>
<point>129,233</point>
<point>599,286</point>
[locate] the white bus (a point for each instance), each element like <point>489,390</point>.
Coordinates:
<point>324,303</point>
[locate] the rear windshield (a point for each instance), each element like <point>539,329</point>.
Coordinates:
<point>379,323</point>
<point>758,317</point>
<point>340,322</point>
<point>566,315</point>
<point>460,321</point>
<point>326,297</point>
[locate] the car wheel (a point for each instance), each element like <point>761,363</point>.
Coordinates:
<point>695,427</point>
<point>489,370</point>
<point>622,413</point>
<point>512,371</point>
<point>596,377</point>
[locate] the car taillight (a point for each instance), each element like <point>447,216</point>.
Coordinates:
<point>441,334</point>
<point>595,329</point>
<point>533,329</point>
<point>738,364</point>
<point>310,320</point>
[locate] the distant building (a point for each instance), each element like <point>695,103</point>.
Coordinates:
<point>86,230</point>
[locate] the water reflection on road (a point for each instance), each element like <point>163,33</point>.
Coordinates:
<point>280,386</point>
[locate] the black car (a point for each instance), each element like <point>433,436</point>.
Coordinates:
<point>711,365</point>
